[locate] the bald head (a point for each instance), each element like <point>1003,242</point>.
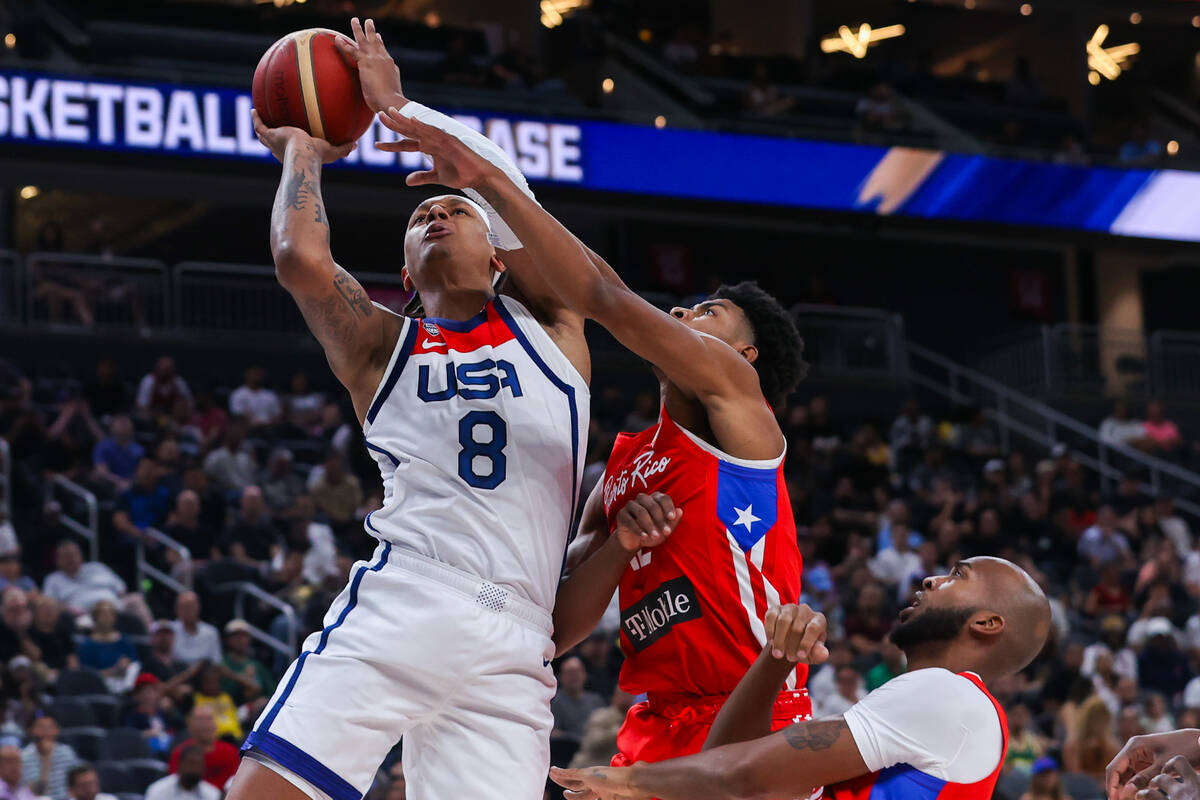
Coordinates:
<point>987,615</point>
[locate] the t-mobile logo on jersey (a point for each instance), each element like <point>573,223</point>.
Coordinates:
<point>645,465</point>
<point>651,618</point>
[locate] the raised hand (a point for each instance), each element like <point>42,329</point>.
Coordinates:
<point>277,140</point>
<point>647,521</point>
<point>797,633</point>
<point>377,72</point>
<point>597,783</point>
<point>454,164</point>
<point>1143,757</point>
<point>1177,781</point>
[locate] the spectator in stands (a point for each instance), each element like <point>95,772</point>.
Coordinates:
<point>229,466</point>
<point>978,438</point>
<point>320,561</point>
<point>1156,716</point>
<point>1109,595</point>
<point>146,715</point>
<point>11,566</point>
<point>210,420</point>
<point>17,620</point>
<point>911,434</point>
<point>600,733</point>
<point>849,690</point>
<point>106,650</point>
<point>143,505</point>
<point>83,783</point>
<point>104,391</point>
<point>279,483</point>
<point>336,492</point>
<point>210,694</point>
<point>252,537</point>
<point>881,113</point>
<point>1090,743</point>
<point>896,565</point>
<point>254,402</point>
<point>762,97</point>
<point>79,585</point>
<point>1174,527</point>
<point>195,639</point>
<point>186,784</point>
<point>246,679</point>
<point>1025,744</point>
<point>1120,427</point>
<point>572,703</point>
<point>1161,434</point>
<point>159,389</point>
<point>1161,666</point>
<point>1103,544</point>
<point>303,405</point>
<point>892,662</point>
<point>45,760</point>
<point>115,459</point>
<point>1141,149</point>
<point>51,633</point>
<point>867,626</point>
<point>185,526</point>
<point>334,430</point>
<point>1046,783</point>
<point>220,757</point>
<point>11,787</point>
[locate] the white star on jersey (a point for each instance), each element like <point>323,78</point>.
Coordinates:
<point>745,516</point>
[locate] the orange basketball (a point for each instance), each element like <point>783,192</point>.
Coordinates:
<point>305,81</point>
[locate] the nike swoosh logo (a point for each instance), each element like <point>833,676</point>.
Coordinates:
<point>428,345</point>
<point>545,663</point>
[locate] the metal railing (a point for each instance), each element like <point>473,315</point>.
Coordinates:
<point>147,570</point>
<point>852,342</point>
<point>1174,364</point>
<point>242,590</point>
<point>12,305</point>
<point>78,499</point>
<point>1016,414</point>
<point>75,289</point>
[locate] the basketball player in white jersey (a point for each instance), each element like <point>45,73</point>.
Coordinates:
<point>477,416</point>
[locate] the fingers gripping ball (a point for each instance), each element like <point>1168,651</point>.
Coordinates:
<point>304,80</point>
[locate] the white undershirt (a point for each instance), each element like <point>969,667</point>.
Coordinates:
<point>933,720</point>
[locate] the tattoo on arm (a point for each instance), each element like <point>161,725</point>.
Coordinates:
<point>352,293</point>
<point>303,189</point>
<point>814,735</point>
<point>334,318</point>
<point>493,198</point>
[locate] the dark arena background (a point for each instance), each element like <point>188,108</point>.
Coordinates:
<point>984,215</point>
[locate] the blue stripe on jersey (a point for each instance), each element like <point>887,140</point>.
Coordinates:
<point>324,640</point>
<point>747,501</point>
<point>395,461</point>
<point>566,389</point>
<point>460,325</point>
<point>905,782</point>
<point>292,758</point>
<point>410,338</point>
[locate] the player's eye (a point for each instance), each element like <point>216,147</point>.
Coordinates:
<point>418,218</point>
<point>460,211</point>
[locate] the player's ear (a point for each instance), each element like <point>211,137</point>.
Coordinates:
<point>497,264</point>
<point>749,352</point>
<point>407,279</point>
<point>986,623</point>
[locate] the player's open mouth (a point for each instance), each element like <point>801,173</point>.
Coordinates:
<point>437,231</point>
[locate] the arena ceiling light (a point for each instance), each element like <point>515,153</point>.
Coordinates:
<point>554,11</point>
<point>1108,62</point>
<point>856,43</point>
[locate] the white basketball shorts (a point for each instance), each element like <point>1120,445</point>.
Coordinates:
<point>413,648</point>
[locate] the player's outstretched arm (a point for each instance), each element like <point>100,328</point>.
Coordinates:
<point>596,560</point>
<point>1144,757</point>
<point>701,365</point>
<point>356,336</point>
<point>795,635</point>
<point>790,763</point>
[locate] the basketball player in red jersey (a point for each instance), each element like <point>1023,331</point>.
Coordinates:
<point>934,733</point>
<point>691,607</point>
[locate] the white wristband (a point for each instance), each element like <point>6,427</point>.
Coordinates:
<point>504,238</point>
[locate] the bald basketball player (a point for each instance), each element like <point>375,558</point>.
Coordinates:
<point>934,732</point>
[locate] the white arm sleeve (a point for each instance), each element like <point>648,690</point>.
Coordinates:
<point>505,238</point>
<point>930,719</point>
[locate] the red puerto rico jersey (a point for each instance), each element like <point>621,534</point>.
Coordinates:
<point>692,608</point>
<point>906,782</point>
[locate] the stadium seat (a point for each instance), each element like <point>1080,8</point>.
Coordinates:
<point>80,681</point>
<point>84,741</point>
<point>105,708</point>
<point>144,771</point>
<point>125,744</point>
<point>72,712</point>
<point>115,778</point>
<point>1012,785</point>
<point>1081,787</point>
<point>130,625</point>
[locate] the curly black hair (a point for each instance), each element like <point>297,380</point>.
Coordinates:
<point>780,363</point>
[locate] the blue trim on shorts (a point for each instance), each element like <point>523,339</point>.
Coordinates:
<point>293,759</point>
<point>389,383</point>
<point>563,387</point>
<point>265,726</point>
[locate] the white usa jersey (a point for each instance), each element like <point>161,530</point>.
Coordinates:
<point>479,428</point>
